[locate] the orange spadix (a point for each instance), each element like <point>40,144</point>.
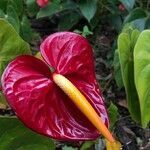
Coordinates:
<point>82,103</point>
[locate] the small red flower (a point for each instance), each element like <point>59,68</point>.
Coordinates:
<point>41,105</point>
<point>121,7</point>
<point>42,3</point>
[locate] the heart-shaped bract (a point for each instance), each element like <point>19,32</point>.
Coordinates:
<point>39,103</point>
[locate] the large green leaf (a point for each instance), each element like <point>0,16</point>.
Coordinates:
<point>142,74</point>
<point>15,136</point>
<point>88,8</point>
<point>11,44</point>
<point>126,43</point>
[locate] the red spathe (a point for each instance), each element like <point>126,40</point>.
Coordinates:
<point>39,103</point>
<point>42,3</point>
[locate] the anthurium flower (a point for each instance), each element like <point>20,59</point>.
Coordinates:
<point>65,104</point>
<point>42,3</point>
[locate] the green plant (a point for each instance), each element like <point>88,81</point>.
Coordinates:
<point>15,13</point>
<point>142,74</point>
<point>85,32</point>
<point>134,57</point>
<point>71,12</point>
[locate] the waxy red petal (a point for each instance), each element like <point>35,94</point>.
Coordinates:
<point>71,55</point>
<point>39,103</point>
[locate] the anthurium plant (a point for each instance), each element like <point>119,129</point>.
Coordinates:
<point>134,57</point>
<point>34,92</point>
<point>58,95</point>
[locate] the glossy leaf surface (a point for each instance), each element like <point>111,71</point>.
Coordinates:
<point>39,103</point>
<point>142,74</point>
<point>15,136</point>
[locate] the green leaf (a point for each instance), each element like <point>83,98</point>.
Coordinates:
<point>15,136</point>
<point>88,8</point>
<point>3,102</point>
<point>86,31</point>
<point>68,148</point>
<point>147,24</point>
<point>139,24</point>
<point>26,30</point>
<point>95,20</point>
<point>128,4</point>
<point>142,74</point>
<point>56,7</point>
<point>116,21</point>
<point>117,70</point>
<point>11,45</point>
<point>136,13</point>
<point>113,6</point>
<point>3,5</point>
<point>68,22</point>
<point>12,17</point>
<point>18,5</point>
<point>32,7</point>
<point>13,3</point>
<point>87,145</point>
<point>2,14</point>
<point>126,43</point>
<point>113,114</point>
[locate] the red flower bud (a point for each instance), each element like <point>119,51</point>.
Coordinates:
<point>121,7</point>
<point>42,3</point>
